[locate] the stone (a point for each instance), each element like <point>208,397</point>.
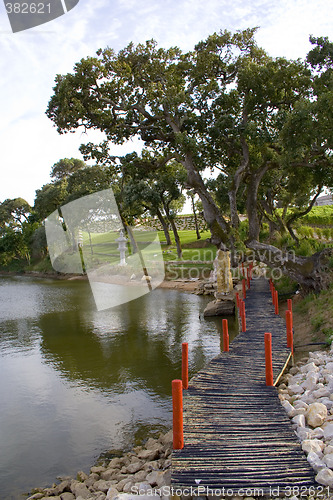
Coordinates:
<point>140,476</point>
<point>289,408</point>
<point>166,439</point>
<point>314,445</point>
<point>300,404</point>
<point>323,392</point>
<point>316,414</point>
<point>81,476</point>
<point>328,430</point>
<point>325,476</point>
<point>311,381</point>
<point>328,449</point>
<point>112,493</point>
<point>97,469</point>
<point>299,420</point>
<point>315,461</point>
<point>327,402</point>
<point>102,485</point>
<point>295,389</point>
<point>128,487</point>
<point>328,459</point>
<point>67,496</point>
<point>80,489</point>
<point>309,367</point>
<point>155,478</point>
<point>303,433</point>
<point>220,307</point>
<point>317,433</point>
<point>109,474</point>
<point>148,454</point>
<point>134,467</point>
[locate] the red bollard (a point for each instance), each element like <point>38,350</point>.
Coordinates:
<point>290,305</point>
<point>225,335</point>
<point>268,359</point>
<point>244,289</point>
<point>185,365</point>
<point>243,269</point>
<point>289,325</point>
<point>243,317</point>
<point>177,404</point>
<point>237,300</point>
<point>276,302</point>
<point>248,277</point>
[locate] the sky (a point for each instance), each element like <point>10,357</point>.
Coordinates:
<point>30,60</point>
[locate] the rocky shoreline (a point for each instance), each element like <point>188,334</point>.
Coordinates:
<point>306,393</point>
<point>141,470</point>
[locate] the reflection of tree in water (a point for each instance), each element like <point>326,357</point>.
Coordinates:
<point>136,345</point>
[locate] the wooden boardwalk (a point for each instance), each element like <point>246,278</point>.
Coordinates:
<point>237,435</point>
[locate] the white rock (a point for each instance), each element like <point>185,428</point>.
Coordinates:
<point>328,459</point>
<point>289,408</point>
<point>316,433</point>
<point>300,411</point>
<point>328,449</point>
<point>309,367</point>
<point>328,430</point>
<point>315,461</point>
<point>325,476</point>
<point>299,420</point>
<point>316,414</point>
<point>329,366</point>
<point>314,445</point>
<point>327,402</point>
<point>300,404</point>
<point>311,381</point>
<point>112,493</point>
<point>303,433</point>
<point>323,392</point>
<point>295,389</point>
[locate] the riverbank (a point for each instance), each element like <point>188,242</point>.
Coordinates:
<point>140,471</point>
<point>305,392</point>
<point>184,285</point>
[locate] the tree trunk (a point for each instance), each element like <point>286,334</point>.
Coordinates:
<point>252,202</point>
<point>195,219</point>
<point>174,229</point>
<point>164,226</point>
<point>312,273</point>
<point>218,226</point>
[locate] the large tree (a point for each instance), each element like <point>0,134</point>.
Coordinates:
<point>226,105</point>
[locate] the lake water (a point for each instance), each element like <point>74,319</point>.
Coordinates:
<point>75,382</point>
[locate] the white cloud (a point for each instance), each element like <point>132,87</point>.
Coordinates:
<point>31,59</point>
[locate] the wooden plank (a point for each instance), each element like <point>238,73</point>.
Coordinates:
<point>236,432</point>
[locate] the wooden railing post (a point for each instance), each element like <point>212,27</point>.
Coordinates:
<point>243,317</point>
<point>177,403</point>
<point>289,326</point>
<point>225,335</point>
<point>237,300</point>
<point>276,302</point>
<point>185,365</point>
<point>244,288</point>
<point>268,359</point>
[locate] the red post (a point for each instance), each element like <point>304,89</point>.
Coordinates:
<point>237,299</point>
<point>289,325</point>
<point>185,365</point>
<point>243,269</point>
<point>177,403</point>
<point>243,317</point>
<point>244,288</point>
<point>276,302</point>
<point>268,359</point>
<point>290,305</point>
<point>225,335</point>
<point>248,277</point>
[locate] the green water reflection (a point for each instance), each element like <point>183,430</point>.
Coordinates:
<point>76,382</point>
